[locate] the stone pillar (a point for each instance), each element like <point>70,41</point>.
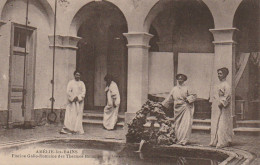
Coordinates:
<point>224,40</point>
<point>65,65</point>
<point>4,71</point>
<point>137,80</point>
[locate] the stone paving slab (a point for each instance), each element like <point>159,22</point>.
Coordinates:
<point>17,135</point>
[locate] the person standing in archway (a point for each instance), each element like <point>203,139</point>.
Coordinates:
<point>221,123</point>
<point>113,103</point>
<point>74,111</point>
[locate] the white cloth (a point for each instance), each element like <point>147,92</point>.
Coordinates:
<point>221,121</point>
<point>74,110</point>
<point>111,109</point>
<point>183,112</point>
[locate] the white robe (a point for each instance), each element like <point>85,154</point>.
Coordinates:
<point>221,121</point>
<point>110,111</point>
<point>74,110</point>
<point>183,112</point>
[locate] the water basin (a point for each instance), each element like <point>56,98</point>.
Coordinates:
<point>93,152</point>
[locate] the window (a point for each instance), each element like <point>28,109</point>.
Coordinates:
<point>20,37</point>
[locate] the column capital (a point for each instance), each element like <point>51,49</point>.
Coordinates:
<point>64,41</point>
<point>138,39</point>
<point>224,36</point>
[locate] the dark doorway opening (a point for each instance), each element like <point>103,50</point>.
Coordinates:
<point>102,50</point>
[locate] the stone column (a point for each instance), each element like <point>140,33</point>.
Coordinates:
<point>224,40</point>
<point>4,71</point>
<point>137,80</point>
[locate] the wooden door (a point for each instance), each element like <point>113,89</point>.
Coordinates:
<point>21,82</point>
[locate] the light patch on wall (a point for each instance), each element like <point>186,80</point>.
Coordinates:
<point>4,77</point>
<point>160,72</point>
<point>198,67</point>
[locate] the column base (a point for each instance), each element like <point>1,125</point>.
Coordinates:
<point>22,125</point>
<point>28,125</point>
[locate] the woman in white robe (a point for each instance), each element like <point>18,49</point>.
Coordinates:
<point>221,123</point>
<point>113,103</point>
<point>183,109</point>
<point>74,110</point>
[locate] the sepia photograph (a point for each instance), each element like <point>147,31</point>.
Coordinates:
<point>130,82</point>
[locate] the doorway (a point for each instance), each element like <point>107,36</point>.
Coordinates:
<point>102,50</point>
<point>21,73</point>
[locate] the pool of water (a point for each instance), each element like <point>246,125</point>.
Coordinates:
<point>99,153</point>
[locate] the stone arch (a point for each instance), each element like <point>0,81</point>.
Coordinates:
<point>183,29</point>
<point>247,20</point>
<point>184,21</point>
<point>102,50</point>
<point>48,9</point>
<point>160,6</point>
<point>79,17</point>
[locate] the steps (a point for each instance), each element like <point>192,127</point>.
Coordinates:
<point>244,127</point>
<point>200,125</point>
<point>95,118</point>
<point>247,127</point>
<point>249,123</point>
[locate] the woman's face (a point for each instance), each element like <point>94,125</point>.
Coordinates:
<point>108,81</point>
<point>180,81</point>
<point>77,76</point>
<point>221,76</point>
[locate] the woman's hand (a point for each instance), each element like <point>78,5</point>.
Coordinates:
<point>114,103</point>
<point>75,99</point>
<point>191,98</point>
<point>220,105</point>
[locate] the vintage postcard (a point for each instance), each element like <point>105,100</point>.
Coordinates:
<point>129,82</point>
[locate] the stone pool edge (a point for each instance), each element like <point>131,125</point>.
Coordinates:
<point>235,155</point>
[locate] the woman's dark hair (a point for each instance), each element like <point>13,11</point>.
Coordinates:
<point>181,76</point>
<point>108,77</point>
<point>224,70</point>
<point>76,71</point>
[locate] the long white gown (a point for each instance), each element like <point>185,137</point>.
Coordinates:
<point>183,112</point>
<point>221,121</point>
<point>110,111</point>
<point>74,110</point>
